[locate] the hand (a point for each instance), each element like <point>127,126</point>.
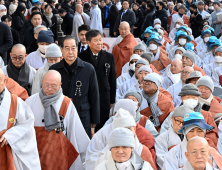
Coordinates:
<point>141,86</point>
<point>114,33</point>
<point>4,141</point>
<point>135,27</point>
<point>192,15</point>
<point>217,22</point>
<point>56,42</point>
<point>93,125</point>
<point>206,7</point>
<point>111,105</point>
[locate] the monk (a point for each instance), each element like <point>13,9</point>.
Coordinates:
<point>123,47</point>
<point>17,135</point>
<point>61,138</point>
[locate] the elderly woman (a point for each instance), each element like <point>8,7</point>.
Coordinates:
<point>121,155</point>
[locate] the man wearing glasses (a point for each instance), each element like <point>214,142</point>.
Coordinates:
<point>79,82</point>
<point>17,68</point>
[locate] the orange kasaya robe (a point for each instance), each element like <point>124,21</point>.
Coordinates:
<point>162,62</point>
<point>216,156</point>
<point>213,134</point>
<point>166,93</point>
<point>7,161</point>
<point>154,69</point>
<point>170,19</point>
<point>123,51</point>
<point>14,88</point>
<point>186,20</point>
<point>196,68</point>
<point>215,107</point>
<point>56,152</point>
<point>146,139</point>
<point>166,106</point>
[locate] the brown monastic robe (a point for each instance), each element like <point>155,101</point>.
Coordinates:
<point>196,68</point>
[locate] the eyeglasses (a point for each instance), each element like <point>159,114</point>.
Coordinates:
<point>48,86</point>
<point>184,72</point>
<point>195,153</point>
<point>131,62</point>
<point>72,49</point>
<point>147,82</point>
<point>15,58</point>
<point>178,122</point>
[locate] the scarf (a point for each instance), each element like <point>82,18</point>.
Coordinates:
<point>131,73</point>
<point>175,78</point>
<point>198,108</point>
<point>207,101</point>
<point>21,76</point>
<point>156,112</point>
<point>2,96</point>
<point>123,165</point>
<point>49,18</point>
<point>51,117</point>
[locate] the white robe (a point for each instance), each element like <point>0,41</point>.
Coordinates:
<point>34,59</point>
<point>77,21</point>
<point>174,18</point>
<point>96,20</point>
<point>170,79</point>
<point>21,137</point>
<point>163,142</point>
<point>172,32</point>
<point>122,78</point>
<point>31,73</point>
<point>198,39</point>
<point>201,47</point>
<point>208,69</point>
<point>73,127</point>
<point>219,143</point>
<point>209,58</point>
<point>2,64</point>
<point>188,166</point>
<point>175,89</point>
<point>125,68</point>
<point>37,80</point>
<point>203,13</point>
<point>215,76</point>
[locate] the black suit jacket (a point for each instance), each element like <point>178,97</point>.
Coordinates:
<point>106,82</point>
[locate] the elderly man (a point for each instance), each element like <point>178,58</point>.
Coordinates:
<point>175,89</point>
<point>167,140</point>
<point>96,17</point>
<point>188,59</point>
<point>206,87</point>
<point>138,49</point>
<point>121,156</point>
<point>156,106</point>
<point>173,75</point>
<point>197,154</point>
<point>37,59</point>
<point>123,47</point>
<point>170,13</point>
<point>194,76</point>
<point>104,64</point>
<point>79,82</point>
<point>53,55</point>
<point>79,19</point>
<point>98,145</point>
<point>57,121</point>
<point>17,135</point>
<point>194,125</point>
<point>18,69</point>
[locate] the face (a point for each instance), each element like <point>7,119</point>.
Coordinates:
<point>189,97</point>
<point>195,132</point>
<point>147,35</point>
<point>185,73</point>
<point>54,59</point>
<point>108,1</point>
<point>96,43</point>
<point>194,80</point>
<point>178,52</point>
<point>125,5</point>
<point>189,1</point>
<point>205,92</point>
<point>102,3</point>
<point>214,48</point>
<point>139,52</point>
<point>48,10</point>
<point>215,6</point>
<point>36,20</point>
<point>79,2</point>
<point>121,153</point>
<point>137,68</point>
<point>2,2</point>
<point>179,23</point>
<point>69,51</point>
<point>62,14</point>
<point>79,9</point>
<point>9,23</point>
<point>18,56</point>
<point>149,87</point>
<point>181,11</point>
<point>175,67</point>
<point>198,154</point>
<point>133,99</point>
<point>171,6</point>
<point>160,7</point>
<point>200,7</point>
<point>141,76</point>
<point>135,7</point>
<point>37,34</point>
<point>218,54</point>
<point>177,123</point>
<point>124,30</point>
<point>82,37</point>
<point>186,61</point>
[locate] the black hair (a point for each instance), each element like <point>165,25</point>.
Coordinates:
<point>151,6</point>
<point>68,37</point>
<point>139,1</point>
<point>114,9</point>
<point>103,0</point>
<point>161,4</point>
<point>83,27</point>
<point>92,33</point>
<point>48,5</point>
<point>35,13</point>
<point>18,11</point>
<point>4,17</point>
<point>34,9</point>
<point>86,6</point>
<point>125,0</point>
<point>61,10</point>
<point>57,5</point>
<point>193,6</point>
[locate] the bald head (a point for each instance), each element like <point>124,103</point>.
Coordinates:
<point>51,82</point>
<point>195,141</point>
<point>2,80</point>
<point>18,55</point>
<point>176,66</point>
<point>19,46</point>
<point>185,73</point>
<point>79,8</point>
<point>124,29</point>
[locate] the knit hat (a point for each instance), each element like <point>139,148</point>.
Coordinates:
<point>157,21</point>
<point>126,104</point>
<point>2,7</point>
<point>136,94</point>
<point>205,81</point>
<point>189,46</point>
<point>217,3</point>
<point>147,55</point>
<point>180,20</point>
<point>182,7</point>
<point>161,32</point>
<point>123,119</point>
<point>200,3</point>
<point>154,77</point>
<point>94,2</point>
<point>142,61</point>
<point>181,111</point>
<point>217,117</point>
<point>36,2</point>
<point>139,47</point>
<point>145,68</point>
<point>190,54</point>
<point>53,50</point>
<point>135,57</point>
<point>189,89</point>
<point>181,49</point>
<point>193,74</point>
<point>218,49</point>
<point>194,118</point>
<point>121,137</point>
<point>45,36</point>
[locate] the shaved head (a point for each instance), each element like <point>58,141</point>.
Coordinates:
<point>124,29</point>
<point>176,66</point>
<point>124,24</point>
<point>53,73</point>
<point>195,141</point>
<point>177,61</point>
<point>18,55</point>
<point>19,46</point>
<point>2,80</point>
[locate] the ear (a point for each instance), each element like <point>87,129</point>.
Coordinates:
<point>35,35</point>
<point>26,55</point>
<point>11,55</point>
<point>186,154</point>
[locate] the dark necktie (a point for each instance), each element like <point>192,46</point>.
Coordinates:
<point>82,48</point>
<point>83,19</point>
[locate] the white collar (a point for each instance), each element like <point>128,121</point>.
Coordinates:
<point>95,54</point>
<point>84,45</point>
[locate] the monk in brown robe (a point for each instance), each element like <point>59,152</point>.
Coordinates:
<point>123,47</point>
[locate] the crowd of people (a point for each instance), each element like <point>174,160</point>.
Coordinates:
<point>152,101</point>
